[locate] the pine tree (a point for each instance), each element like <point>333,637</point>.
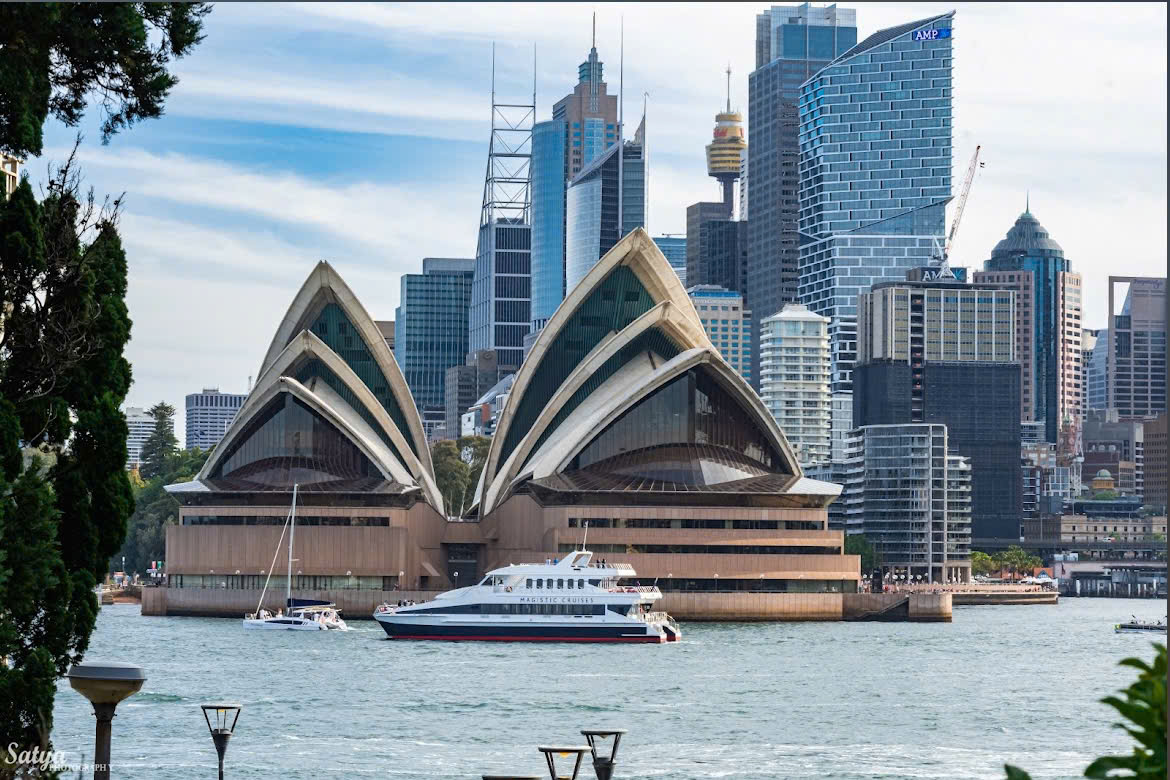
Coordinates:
<point>58,54</point>
<point>63,329</point>
<point>160,448</point>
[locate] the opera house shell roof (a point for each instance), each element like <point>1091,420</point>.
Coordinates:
<point>330,410</point>
<point>623,394</point>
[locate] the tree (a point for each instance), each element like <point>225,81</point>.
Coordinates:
<point>982,563</point>
<point>154,510</point>
<point>63,378</point>
<point>451,475</point>
<point>1144,706</point>
<point>160,448</point>
<point>1016,560</point>
<point>56,55</point>
<point>858,544</point>
<point>474,451</point>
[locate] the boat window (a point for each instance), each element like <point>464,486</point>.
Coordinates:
<point>486,581</point>
<point>538,583</point>
<point>528,583</point>
<point>548,583</point>
<point>594,582</point>
<point>560,584</point>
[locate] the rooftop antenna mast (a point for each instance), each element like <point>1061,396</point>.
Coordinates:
<point>508,180</point>
<point>621,151</point>
<point>729,87</point>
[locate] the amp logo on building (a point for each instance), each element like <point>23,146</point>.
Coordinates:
<point>932,35</point>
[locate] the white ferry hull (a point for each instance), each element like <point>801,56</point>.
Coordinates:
<point>435,628</point>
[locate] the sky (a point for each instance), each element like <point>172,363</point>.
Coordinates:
<point>358,134</point>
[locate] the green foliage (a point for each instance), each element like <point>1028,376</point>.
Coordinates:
<point>858,544</point>
<point>982,563</point>
<point>56,55</point>
<point>161,447</point>
<point>457,468</point>
<point>154,510</point>
<point>63,329</point>
<point>1016,560</point>
<point>451,475</point>
<point>1104,495</point>
<point>474,451</point>
<point>1144,706</point>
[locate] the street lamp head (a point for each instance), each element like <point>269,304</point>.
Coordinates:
<point>221,722</point>
<point>106,682</point>
<point>603,765</point>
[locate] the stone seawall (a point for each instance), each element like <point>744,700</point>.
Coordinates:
<point>726,606</point>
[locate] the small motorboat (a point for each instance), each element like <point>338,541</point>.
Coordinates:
<point>1138,626</point>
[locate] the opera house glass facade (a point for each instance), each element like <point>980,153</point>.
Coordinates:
<point>624,418</point>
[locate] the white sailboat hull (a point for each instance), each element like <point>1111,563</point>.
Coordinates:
<point>283,624</point>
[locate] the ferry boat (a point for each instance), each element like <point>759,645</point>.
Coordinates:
<point>571,600</point>
<point>1138,626</point>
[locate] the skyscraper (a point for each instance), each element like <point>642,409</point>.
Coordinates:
<point>501,293</point>
<point>139,426</point>
<point>910,493</point>
<point>875,171</point>
<point>10,171</point>
<point>548,219</point>
<point>583,125</point>
<point>1094,366</point>
<point>793,42</point>
<point>941,351</point>
<point>1048,321</point>
<point>674,249</point>
<point>1136,363</point>
<point>716,247</point>
<point>794,379</point>
<point>430,333</point>
<point>604,202</point>
<point>727,324</point>
<point>208,416</point>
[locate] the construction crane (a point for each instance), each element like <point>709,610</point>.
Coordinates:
<point>967,180</point>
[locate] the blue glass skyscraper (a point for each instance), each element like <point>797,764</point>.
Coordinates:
<point>548,219</point>
<point>674,249</point>
<point>875,172</point>
<point>793,42</point>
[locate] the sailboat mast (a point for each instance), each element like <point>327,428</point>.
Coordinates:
<point>292,531</point>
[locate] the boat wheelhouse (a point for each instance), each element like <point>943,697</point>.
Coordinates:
<point>574,599</point>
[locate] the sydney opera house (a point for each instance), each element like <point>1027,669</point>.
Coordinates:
<point>623,418</point>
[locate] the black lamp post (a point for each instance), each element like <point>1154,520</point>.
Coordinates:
<point>564,752</point>
<point>603,765</point>
<point>221,730</point>
<point>105,683</point>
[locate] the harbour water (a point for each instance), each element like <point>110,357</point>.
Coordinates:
<point>1019,684</point>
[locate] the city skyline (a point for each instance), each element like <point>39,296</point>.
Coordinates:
<point>386,129</point>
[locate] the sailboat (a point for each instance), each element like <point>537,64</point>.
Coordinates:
<point>302,615</point>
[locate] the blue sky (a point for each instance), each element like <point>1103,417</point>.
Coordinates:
<point>358,134</point>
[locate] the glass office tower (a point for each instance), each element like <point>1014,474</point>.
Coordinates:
<point>875,171</point>
<point>548,219</point>
<point>793,42</point>
<point>603,203</point>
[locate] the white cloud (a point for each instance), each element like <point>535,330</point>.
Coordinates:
<point>1068,103</point>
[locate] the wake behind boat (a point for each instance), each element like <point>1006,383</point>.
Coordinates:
<point>572,600</point>
<point>1138,626</point>
<point>303,614</point>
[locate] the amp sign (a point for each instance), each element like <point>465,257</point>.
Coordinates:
<point>932,35</point>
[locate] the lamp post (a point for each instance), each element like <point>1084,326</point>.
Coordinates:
<point>603,765</point>
<point>564,752</point>
<point>221,730</point>
<point>105,683</point>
